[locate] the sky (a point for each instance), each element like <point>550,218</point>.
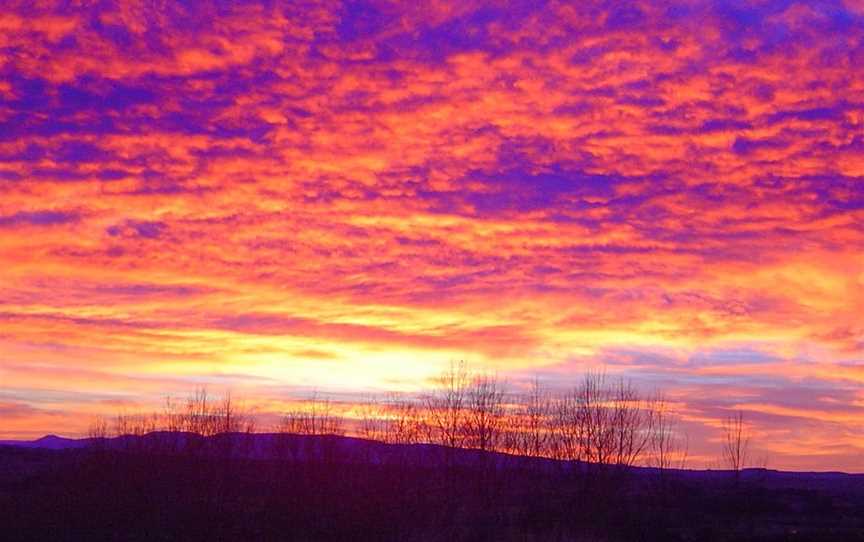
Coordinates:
<point>280,197</point>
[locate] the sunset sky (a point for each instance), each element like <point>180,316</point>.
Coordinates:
<point>281,197</point>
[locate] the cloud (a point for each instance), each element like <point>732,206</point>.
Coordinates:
<point>39,218</point>
<point>365,190</point>
<point>142,229</point>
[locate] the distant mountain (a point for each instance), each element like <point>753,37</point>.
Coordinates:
<point>48,442</point>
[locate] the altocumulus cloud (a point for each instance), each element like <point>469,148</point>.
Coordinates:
<point>221,187</point>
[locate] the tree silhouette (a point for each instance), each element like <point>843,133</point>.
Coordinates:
<point>736,443</point>
<point>445,407</point>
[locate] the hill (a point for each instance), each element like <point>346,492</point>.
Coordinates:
<point>181,486</point>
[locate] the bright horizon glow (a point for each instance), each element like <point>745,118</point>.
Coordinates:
<point>346,197</point>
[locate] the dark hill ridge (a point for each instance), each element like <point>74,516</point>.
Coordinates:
<point>306,448</point>
<point>238,486</point>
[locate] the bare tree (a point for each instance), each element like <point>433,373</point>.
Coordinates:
<point>199,415</point>
<point>529,428</point>
<point>593,419</point>
<point>97,433</point>
<point>373,421</point>
<point>736,443</point>
<point>136,425</point>
<point>135,428</point>
<point>566,428</point>
<point>317,418</point>
<point>668,446</point>
<point>183,417</point>
<point>484,413</point>
<point>445,407</point>
<point>227,417</point>
<point>314,417</point>
<point>600,422</point>
<point>98,428</point>
<point>404,421</point>
<point>198,418</point>
<point>172,418</point>
<point>230,427</point>
<point>535,417</point>
<point>629,423</point>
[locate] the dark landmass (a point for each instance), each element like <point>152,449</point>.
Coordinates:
<point>181,486</point>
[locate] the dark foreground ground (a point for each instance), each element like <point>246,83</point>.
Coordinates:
<point>343,489</point>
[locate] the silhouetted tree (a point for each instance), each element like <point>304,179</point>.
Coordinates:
<point>317,417</point>
<point>668,446</point>
<point>373,419</point>
<point>736,443</point>
<point>405,422</point>
<point>600,422</point>
<point>484,413</point>
<point>98,432</point>
<point>532,422</point>
<point>630,423</point>
<point>445,407</point>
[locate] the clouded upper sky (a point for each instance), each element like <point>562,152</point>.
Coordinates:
<point>345,196</point>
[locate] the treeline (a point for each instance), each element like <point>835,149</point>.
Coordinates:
<point>600,420</point>
<point>464,461</point>
<point>200,414</point>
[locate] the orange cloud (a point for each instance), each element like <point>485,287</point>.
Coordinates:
<point>350,195</point>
